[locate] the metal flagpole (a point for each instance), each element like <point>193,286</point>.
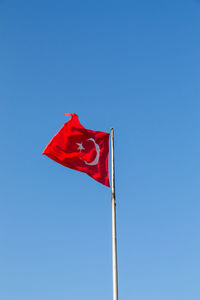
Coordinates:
<point>114,236</point>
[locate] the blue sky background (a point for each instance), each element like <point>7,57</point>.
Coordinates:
<point>133,65</point>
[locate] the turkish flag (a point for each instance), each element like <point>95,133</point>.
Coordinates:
<point>81,149</point>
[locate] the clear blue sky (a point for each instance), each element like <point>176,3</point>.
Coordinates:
<point>133,65</point>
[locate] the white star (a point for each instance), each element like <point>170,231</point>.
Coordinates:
<point>80,147</point>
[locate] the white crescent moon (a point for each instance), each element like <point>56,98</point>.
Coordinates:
<point>96,160</point>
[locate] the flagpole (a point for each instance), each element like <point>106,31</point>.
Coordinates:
<point>114,234</point>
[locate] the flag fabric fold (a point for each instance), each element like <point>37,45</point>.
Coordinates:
<point>81,149</point>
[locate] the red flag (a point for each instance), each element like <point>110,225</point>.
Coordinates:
<point>81,149</point>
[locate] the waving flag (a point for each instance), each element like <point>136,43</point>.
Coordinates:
<point>81,149</point>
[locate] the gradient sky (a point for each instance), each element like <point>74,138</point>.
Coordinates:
<point>133,65</point>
